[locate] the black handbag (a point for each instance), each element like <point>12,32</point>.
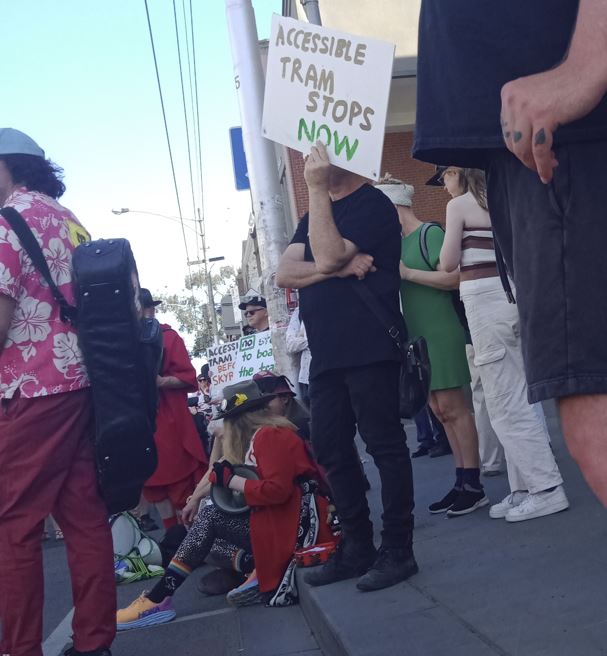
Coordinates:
<point>415,371</point>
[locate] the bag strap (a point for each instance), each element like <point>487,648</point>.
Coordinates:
<point>32,248</point>
<point>423,242</point>
<point>503,272</point>
<point>381,314</point>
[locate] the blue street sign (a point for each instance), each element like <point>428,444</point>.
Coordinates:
<point>239,159</point>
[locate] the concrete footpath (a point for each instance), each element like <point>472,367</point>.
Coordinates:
<point>485,587</point>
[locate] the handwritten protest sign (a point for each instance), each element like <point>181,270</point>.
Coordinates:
<point>329,86</point>
<point>241,360</point>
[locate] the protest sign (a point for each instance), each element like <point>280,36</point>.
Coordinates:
<point>326,85</point>
<point>240,360</point>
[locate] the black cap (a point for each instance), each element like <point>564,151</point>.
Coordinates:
<point>145,296</point>
<point>258,301</point>
<point>437,179</point>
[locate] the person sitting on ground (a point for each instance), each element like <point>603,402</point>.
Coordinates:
<point>283,498</point>
<point>429,312</point>
<point>284,402</point>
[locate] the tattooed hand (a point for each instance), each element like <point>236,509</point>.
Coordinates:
<point>533,107</point>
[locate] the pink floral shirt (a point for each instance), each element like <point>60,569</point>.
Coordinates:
<point>41,354</point>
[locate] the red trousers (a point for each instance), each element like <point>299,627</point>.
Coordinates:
<point>47,467</point>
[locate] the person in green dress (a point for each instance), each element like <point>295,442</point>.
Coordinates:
<point>429,312</point>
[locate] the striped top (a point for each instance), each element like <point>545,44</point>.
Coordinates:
<point>477,249</point>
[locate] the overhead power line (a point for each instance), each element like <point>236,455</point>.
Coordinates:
<point>166,130</point>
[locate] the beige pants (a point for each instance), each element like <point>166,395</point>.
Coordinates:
<point>490,449</point>
<point>494,326</point>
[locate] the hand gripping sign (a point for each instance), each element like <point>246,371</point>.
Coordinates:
<point>329,86</point>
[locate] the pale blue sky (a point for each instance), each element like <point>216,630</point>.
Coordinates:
<point>78,76</point>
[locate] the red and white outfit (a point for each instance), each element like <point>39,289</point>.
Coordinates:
<point>182,461</point>
<point>280,457</point>
<point>46,453</point>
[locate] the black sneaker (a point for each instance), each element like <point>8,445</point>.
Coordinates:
<point>445,503</point>
<point>220,581</point>
<point>440,450</point>
<point>422,450</point>
<point>103,651</point>
<point>468,501</point>
<point>146,523</point>
<point>391,567</point>
<point>348,562</point>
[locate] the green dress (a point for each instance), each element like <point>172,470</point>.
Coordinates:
<point>429,313</point>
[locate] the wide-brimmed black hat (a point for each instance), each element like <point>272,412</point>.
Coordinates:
<point>146,298</point>
<point>258,301</point>
<point>242,397</point>
<point>437,179</point>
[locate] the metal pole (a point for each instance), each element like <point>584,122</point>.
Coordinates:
<point>211,301</point>
<point>312,11</point>
<point>266,193</point>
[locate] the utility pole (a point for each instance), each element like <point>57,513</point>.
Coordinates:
<point>266,193</point>
<point>207,277</point>
<point>312,11</point>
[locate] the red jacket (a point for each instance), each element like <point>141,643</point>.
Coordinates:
<point>179,447</point>
<point>280,457</point>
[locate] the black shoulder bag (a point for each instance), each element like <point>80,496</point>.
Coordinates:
<point>415,372</point>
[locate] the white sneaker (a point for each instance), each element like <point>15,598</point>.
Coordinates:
<point>539,505</point>
<point>499,510</point>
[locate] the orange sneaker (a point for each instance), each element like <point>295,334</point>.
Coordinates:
<point>143,612</point>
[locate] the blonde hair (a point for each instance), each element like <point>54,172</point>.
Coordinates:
<point>473,180</point>
<point>238,431</point>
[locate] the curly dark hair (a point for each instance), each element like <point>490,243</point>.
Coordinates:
<point>35,173</point>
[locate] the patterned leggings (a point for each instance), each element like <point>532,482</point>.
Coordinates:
<point>213,530</point>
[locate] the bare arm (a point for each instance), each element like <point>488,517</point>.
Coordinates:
<point>331,251</point>
<point>7,309</point>
<point>438,279</point>
<point>294,272</point>
<point>451,252</point>
<point>534,106</point>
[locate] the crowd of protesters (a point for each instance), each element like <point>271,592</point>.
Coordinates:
<point>360,247</point>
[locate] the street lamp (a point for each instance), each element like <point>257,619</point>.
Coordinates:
<point>175,219</point>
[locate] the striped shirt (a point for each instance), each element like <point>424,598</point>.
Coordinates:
<point>478,253</point>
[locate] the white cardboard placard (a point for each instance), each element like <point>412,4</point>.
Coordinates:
<point>331,86</point>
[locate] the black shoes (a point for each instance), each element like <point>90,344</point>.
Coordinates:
<point>146,523</point>
<point>445,503</point>
<point>391,567</point>
<point>440,450</point>
<point>349,561</point>
<point>220,581</point>
<point>467,501</point>
<point>97,652</point>
<point>422,450</point>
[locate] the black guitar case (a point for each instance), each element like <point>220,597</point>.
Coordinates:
<point>122,352</point>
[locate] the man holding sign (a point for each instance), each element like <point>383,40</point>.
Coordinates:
<point>351,237</point>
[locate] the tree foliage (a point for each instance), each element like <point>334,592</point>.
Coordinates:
<point>192,311</point>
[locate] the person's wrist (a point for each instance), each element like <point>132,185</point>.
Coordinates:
<point>318,187</point>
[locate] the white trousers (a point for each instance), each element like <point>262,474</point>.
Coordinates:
<point>490,449</point>
<point>494,326</point>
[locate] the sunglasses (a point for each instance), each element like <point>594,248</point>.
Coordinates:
<point>250,313</point>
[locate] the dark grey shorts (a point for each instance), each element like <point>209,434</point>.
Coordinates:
<point>554,240</point>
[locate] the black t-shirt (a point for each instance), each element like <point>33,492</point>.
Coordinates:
<point>468,49</point>
<point>341,331</point>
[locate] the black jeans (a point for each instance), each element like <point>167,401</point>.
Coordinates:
<point>366,396</point>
